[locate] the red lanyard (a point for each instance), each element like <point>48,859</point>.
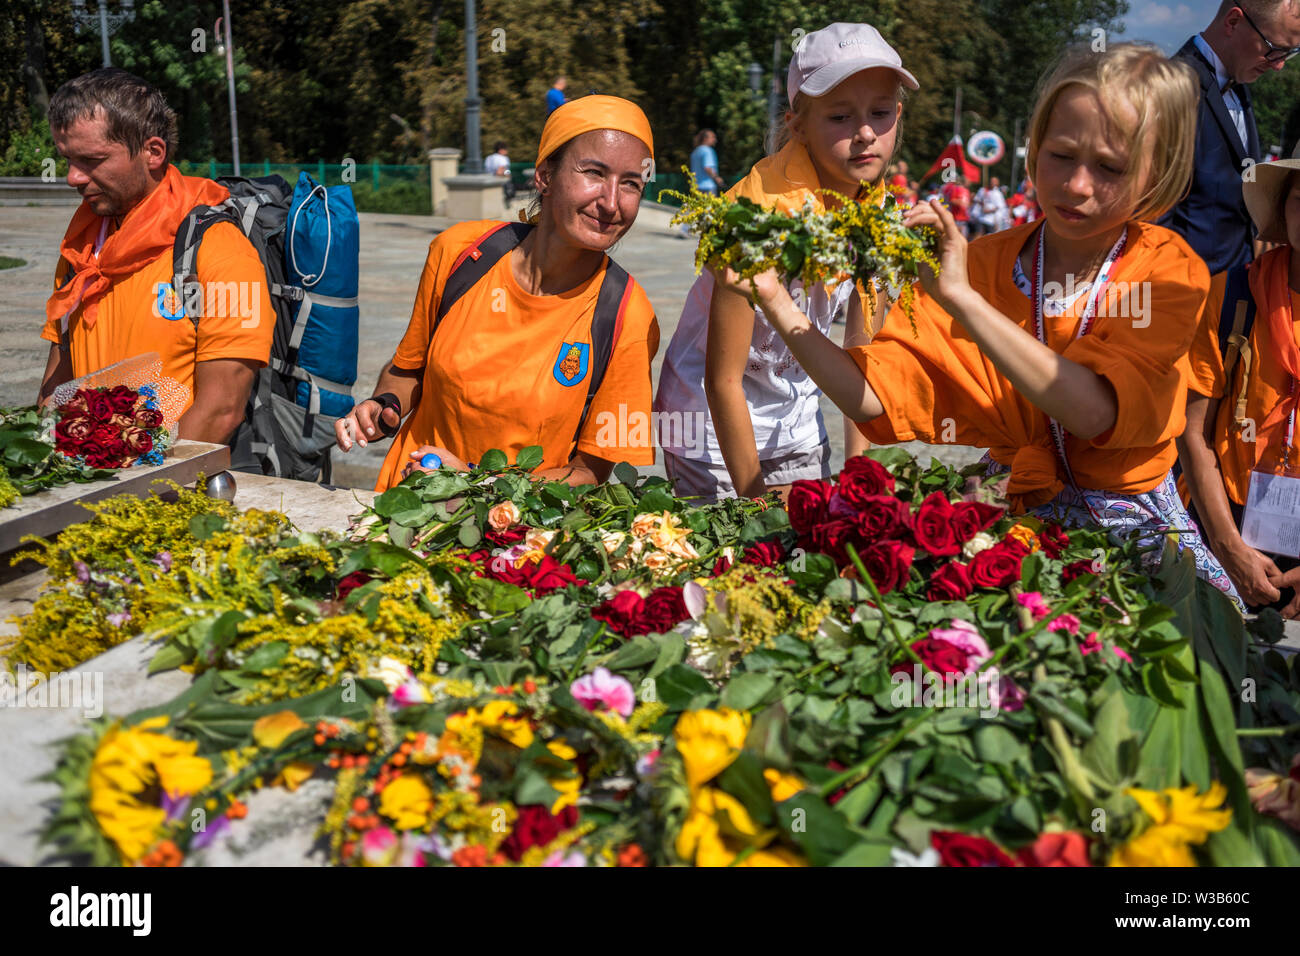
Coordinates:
<point>1085,325</point>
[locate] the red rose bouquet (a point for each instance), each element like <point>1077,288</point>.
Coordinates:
<point>112,427</point>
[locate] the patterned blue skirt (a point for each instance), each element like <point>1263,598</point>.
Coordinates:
<point>1156,514</point>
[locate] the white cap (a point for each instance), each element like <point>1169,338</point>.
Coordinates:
<point>825,58</point>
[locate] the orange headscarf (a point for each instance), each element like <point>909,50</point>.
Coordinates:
<point>1270,287</point>
<point>588,113</point>
<point>146,232</point>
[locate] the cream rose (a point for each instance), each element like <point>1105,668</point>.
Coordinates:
<point>502,516</point>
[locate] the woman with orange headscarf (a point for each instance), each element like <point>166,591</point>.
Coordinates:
<point>528,333</point>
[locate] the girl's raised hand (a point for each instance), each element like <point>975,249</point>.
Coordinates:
<point>764,290</point>
<point>952,281</point>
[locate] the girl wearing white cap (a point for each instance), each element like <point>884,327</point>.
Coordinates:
<point>726,365</point>
<point>1242,405</point>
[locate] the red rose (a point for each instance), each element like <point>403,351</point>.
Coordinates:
<point>864,477</point>
<point>117,448</point>
<point>933,528</point>
<point>105,433</point>
<point>950,583</point>
<point>537,826</point>
<point>350,583</point>
<point>70,431</point>
<point>721,566</point>
<point>1053,539</point>
<point>138,441</point>
<point>966,849</point>
<point>148,418</point>
<point>880,517</point>
<point>969,518</point>
<point>1056,849</point>
<point>829,539</point>
<point>663,610</point>
<point>549,575</point>
<point>98,406</point>
<point>888,563</point>
<point>765,554</point>
<point>621,613</point>
<point>1076,569</point>
<point>998,566</point>
<point>807,503</point>
<point>938,655</point>
<point>122,398</point>
<point>88,449</point>
<point>77,405</point>
<point>507,538</point>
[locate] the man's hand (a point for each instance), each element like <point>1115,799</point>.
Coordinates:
<point>221,388</point>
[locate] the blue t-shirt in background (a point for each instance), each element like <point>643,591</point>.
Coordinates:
<point>703,158</point>
<point>554,98</point>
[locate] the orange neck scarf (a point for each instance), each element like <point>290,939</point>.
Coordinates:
<point>147,232</point>
<point>1271,288</point>
<point>784,180</point>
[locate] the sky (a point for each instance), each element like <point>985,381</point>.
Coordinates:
<point>1167,23</point>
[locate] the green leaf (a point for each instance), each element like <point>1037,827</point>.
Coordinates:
<point>202,527</point>
<point>679,685</point>
<point>743,779</point>
<point>656,501</point>
<point>493,460</point>
<point>769,736</point>
<point>530,457</point>
<point>626,474</point>
<point>857,803</point>
<point>396,500</point>
<point>169,657</point>
<point>815,827</point>
<point>866,853</point>
<point>265,657</point>
<point>469,534</point>
<point>387,559</point>
<point>746,691</point>
<point>25,452</point>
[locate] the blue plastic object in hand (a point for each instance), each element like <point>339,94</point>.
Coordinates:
<point>431,461</point>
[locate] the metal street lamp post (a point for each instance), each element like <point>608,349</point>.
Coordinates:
<point>108,23</point>
<point>226,45</point>
<point>474,157</point>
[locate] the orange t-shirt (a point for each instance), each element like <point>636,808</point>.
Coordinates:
<point>508,369</point>
<point>238,320</point>
<point>1268,386</point>
<point>938,386</point>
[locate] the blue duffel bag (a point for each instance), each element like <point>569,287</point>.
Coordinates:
<point>321,251</point>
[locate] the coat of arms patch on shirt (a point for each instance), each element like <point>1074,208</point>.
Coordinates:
<point>571,363</point>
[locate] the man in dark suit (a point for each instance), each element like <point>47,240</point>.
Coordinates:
<point>1246,40</point>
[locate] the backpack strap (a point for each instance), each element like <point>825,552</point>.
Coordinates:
<point>606,326</point>
<point>476,262</point>
<point>1236,319</point>
<point>185,247</point>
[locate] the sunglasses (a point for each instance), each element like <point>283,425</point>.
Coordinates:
<point>1275,54</point>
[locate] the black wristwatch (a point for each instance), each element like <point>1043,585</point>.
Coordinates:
<point>387,400</point>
